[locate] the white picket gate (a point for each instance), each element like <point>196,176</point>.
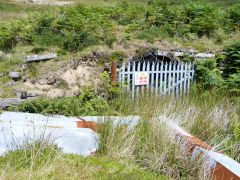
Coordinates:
<point>159,78</point>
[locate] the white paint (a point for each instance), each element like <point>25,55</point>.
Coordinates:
<point>81,141</point>
<point>17,128</point>
<point>226,161</point>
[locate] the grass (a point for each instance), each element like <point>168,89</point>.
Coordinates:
<point>43,160</point>
<point>149,150</point>
<point>11,10</point>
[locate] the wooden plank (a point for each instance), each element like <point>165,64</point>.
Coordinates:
<point>138,70</point>
<point>152,77</point>
<point>123,75</point>
<point>177,86</point>
<point>156,82</point>
<point>189,78</point>
<point>165,78</point>
<point>148,70</point>
<point>169,78</point>
<point>181,79</point>
<point>161,78</point>
<point>133,79</point>
<point>185,77</point>
<point>128,76</point>
<point>173,80</point>
<point>143,69</point>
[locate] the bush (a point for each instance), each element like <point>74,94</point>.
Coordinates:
<point>232,59</point>
<point>88,102</point>
<point>207,73</point>
<point>8,35</point>
<point>234,16</point>
<point>191,17</point>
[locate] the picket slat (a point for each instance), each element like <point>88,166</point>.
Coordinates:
<point>161,78</point>
<point>177,86</point>
<point>156,81</point>
<point>169,78</point>
<point>133,80</point>
<point>143,69</point>
<point>152,76</point>
<point>128,76</point>
<point>173,80</point>
<point>165,78</point>
<point>189,77</point>
<point>172,77</point>
<point>138,70</point>
<point>148,70</point>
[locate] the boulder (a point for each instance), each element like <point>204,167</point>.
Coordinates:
<point>22,94</point>
<point>12,83</point>
<point>32,94</point>
<point>15,75</point>
<point>6,102</point>
<point>42,57</point>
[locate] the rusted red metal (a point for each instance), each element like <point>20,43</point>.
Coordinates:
<point>55,127</point>
<point>221,173</point>
<point>114,71</point>
<point>87,124</point>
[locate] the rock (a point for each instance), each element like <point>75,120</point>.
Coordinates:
<point>51,80</point>
<point>12,83</point>
<point>6,102</point>
<point>24,67</point>
<point>22,94</point>
<point>32,94</point>
<point>42,57</point>
<point>15,75</point>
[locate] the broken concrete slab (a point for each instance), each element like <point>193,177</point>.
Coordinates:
<point>15,75</point>
<point>12,83</point>
<point>71,134</point>
<point>36,58</point>
<point>6,102</point>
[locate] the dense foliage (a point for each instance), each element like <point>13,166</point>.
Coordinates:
<point>77,27</point>
<point>88,103</point>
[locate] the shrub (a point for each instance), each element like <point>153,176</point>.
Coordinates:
<point>88,102</point>
<point>234,16</point>
<point>191,17</point>
<point>232,59</point>
<point>8,35</point>
<point>207,73</point>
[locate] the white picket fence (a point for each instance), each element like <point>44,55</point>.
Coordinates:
<point>172,78</point>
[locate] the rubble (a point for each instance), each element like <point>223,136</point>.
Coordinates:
<point>36,58</point>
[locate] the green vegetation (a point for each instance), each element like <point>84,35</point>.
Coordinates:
<point>77,27</point>
<point>43,160</point>
<point>147,151</point>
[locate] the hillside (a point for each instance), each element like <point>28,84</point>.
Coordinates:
<point>55,59</point>
<point>111,31</point>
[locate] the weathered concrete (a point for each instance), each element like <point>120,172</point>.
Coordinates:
<point>42,57</point>
<point>71,134</point>
<point>15,75</point>
<point>6,102</point>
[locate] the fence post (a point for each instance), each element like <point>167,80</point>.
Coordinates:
<point>114,71</point>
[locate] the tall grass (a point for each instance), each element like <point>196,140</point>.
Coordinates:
<point>150,145</point>
<point>210,115</point>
